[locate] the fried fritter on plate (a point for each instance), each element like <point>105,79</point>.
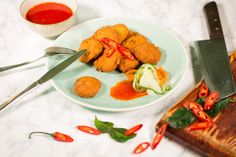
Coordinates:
<point>122,31</point>
<point>127,64</point>
<point>87,86</point>
<point>94,48</point>
<point>108,64</point>
<point>134,40</point>
<point>106,32</point>
<point>147,53</point>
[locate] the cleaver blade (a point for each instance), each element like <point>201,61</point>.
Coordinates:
<point>213,56</point>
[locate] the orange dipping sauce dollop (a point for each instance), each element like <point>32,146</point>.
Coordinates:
<point>124,91</point>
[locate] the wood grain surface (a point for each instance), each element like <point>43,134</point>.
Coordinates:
<point>218,141</point>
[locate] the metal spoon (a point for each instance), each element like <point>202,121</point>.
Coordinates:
<point>51,51</point>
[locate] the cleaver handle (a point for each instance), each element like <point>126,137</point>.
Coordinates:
<point>213,20</point>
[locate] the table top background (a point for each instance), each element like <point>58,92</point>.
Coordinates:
<point>46,109</point>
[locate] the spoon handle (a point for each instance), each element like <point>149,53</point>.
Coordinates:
<point>11,99</point>
<point>18,65</point>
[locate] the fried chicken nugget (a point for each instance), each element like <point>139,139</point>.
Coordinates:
<point>134,40</point>
<point>87,86</point>
<point>108,64</point>
<point>147,53</point>
<point>122,31</point>
<point>127,64</point>
<point>106,32</point>
<point>94,48</point>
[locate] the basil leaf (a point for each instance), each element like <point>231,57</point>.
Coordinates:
<point>104,127</point>
<point>181,118</point>
<point>218,107</point>
<point>201,101</point>
<point>118,134</point>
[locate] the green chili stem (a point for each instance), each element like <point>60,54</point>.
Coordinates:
<point>39,132</point>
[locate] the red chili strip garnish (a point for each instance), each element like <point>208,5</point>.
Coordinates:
<point>201,115</point>
<point>109,52</point>
<point>125,52</point>
<point>109,42</point>
<point>115,45</point>
<point>200,125</point>
<point>133,129</point>
<point>160,133</point>
<point>203,92</point>
<point>141,147</point>
<point>56,135</point>
<point>210,100</point>
<point>191,105</point>
<point>88,129</point>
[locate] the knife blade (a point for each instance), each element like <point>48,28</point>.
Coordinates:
<point>213,56</point>
<point>50,74</point>
<point>57,69</point>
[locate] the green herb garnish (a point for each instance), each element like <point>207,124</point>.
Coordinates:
<point>201,101</point>
<point>181,118</point>
<point>218,107</point>
<point>118,134</point>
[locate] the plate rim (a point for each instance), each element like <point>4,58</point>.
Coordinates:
<point>98,108</point>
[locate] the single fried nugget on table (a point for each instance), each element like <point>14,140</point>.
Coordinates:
<point>122,31</point>
<point>108,64</point>
<point>134,40</point>
<point>106,32</point>
<point>147,53</point>
<point>94,48</point>
<point>87,86</point>
<point>127,64</point>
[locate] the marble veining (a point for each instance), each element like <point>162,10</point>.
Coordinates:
<point>46,110</point>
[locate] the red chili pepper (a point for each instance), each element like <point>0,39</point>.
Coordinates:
<point>133,129</point>
<point>203,92</point>
<point>56,135</point>
<point>109,52</point>
<point>201,115</point>
<point>191,105</point>
<point>89,130</point>
<point>160,133</point>
<point>115,45</point>
<point>109,42</point>
<point>125,52</point>
<point>141,147</point>
<point>210,100</point>
<point>200,125</point>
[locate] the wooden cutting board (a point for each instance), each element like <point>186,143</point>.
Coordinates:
<point>218,141</point>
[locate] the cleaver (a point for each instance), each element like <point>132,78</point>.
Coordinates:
<point>213,56</point>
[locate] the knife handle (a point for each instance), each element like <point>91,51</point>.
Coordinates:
<point>8,101</point>
<point>213,20</point>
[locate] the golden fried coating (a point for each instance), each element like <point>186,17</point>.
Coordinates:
<point>122,31</point>
<point>106,32</point>
<point>147,53</point>
<point>94,48</point>
<point>134,40</point>
<point>131,33</point>
<point>87,86</point>
<point>127,64</point>
<point>108,64</point>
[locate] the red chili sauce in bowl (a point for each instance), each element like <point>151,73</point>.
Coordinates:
<point>49,13</point>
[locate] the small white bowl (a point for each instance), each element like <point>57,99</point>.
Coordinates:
<point>49,30</point>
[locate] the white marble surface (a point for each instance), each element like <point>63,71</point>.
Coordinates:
<point>46,110</point>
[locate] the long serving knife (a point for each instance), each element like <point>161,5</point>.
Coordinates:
<point>50,74</point>
<point>213,56</point>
